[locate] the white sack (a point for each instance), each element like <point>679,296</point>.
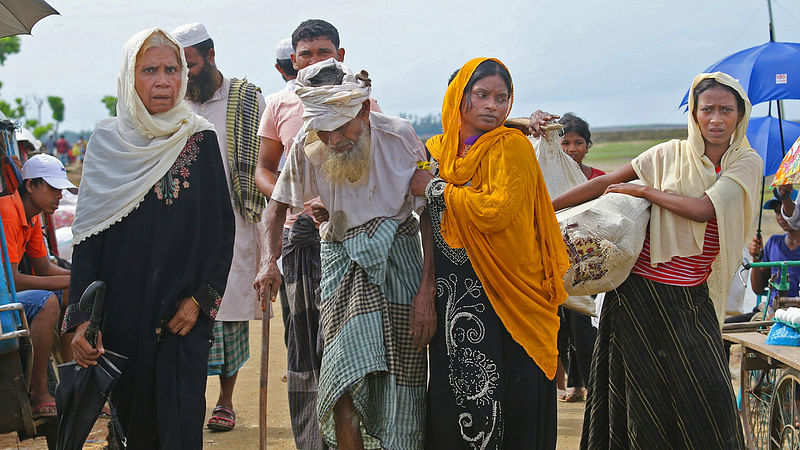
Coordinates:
<point>603,237</point>
<point>561,172</point>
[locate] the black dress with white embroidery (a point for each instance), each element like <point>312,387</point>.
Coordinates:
<point>177,243</point>
<point>484,391</point>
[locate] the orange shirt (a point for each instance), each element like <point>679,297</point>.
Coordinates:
<point>21,236</point>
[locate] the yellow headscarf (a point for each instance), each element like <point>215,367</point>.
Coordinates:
<point>506,222</point>
<point>681,167</point>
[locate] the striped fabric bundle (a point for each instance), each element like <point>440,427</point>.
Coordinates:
<point>242,127</point>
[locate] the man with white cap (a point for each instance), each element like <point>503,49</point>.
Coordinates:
<point>376,305</point>
<point>43,179</point>
<point>234,107</point>
<point>283,62</point>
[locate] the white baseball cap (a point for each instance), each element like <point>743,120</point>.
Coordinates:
<point>50,170</point>
<point>284,49</point>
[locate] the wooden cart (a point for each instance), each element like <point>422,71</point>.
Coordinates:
<point>769,392</point>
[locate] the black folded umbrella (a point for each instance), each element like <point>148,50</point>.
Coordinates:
<point>82,391</point>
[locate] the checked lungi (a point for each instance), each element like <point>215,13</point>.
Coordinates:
<point>231,348</point>
<point>368,282</point>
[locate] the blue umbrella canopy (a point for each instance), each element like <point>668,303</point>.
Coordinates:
<point>767,72</point>
<point>764,136</point>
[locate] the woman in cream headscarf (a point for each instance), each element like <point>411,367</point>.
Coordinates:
<point>659,373</point>
<point>154,222</point>
<point>499,261</point>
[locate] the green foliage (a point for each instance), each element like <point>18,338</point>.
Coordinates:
<point>110,103</point>
<point>41,130</point>
<point>15,111</point>
<point>8,46</point>
<point>57,106</point>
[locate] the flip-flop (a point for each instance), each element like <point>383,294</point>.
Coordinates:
<point>219,422</point>
<point>571,397</point>
<point>42,410</point>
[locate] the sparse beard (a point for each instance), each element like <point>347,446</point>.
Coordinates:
<point>351,166</point>
<point>202,86</point>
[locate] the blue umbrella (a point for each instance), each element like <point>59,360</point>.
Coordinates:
<point>764,136</point>
<point>767,72</point>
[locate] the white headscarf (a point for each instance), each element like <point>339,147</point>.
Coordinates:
<point>128,154</point>
<point>326,108</point>
<point>680,166</point>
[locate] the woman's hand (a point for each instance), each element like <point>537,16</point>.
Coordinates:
<point>267,282</point>
<point>755,249</point>
<point>419,181</point>
<point>422,320</point>
<point>82,351</point>
<point>636,190</point>
<point>539,119</point>
<point>185,317</point>
<point>319,211</point>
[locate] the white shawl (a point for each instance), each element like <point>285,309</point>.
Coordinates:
<point>681,167</point>
<point>128,154</point>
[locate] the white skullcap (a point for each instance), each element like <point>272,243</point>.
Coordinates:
<point>190,34</point>
<point>326,108</point>
<point>284,49</point>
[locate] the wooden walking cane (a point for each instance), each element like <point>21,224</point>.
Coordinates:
<point>262,409</point>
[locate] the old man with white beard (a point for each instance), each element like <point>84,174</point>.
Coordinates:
<point>376,309</point>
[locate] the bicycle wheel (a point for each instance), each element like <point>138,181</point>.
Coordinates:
<point>784,424</point>
<point>757,389</point>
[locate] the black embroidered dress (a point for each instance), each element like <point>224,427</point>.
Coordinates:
<point>177,243</point>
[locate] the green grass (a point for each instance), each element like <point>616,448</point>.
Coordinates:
<point>608,156</point>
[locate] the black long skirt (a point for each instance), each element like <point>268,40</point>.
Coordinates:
<point>659,375</point>
<point>484,390</point>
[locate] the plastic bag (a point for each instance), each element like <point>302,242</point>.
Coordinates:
<point>782,334</point>
<point>561,173</point>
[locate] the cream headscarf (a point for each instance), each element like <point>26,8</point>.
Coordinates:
<point>681,167</point>
<point>128,154</point>
<point>326,108</point>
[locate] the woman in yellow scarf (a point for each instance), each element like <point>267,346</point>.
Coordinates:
<point>499,260</point>
<point>659,373</point>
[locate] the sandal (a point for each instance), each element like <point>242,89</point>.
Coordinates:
<point>222,419</point>
<point>44,410</point>
<point>571,396</point>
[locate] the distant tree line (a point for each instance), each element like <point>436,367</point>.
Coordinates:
<point>425,126</point>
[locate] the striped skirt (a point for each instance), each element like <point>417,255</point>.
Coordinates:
<point>659,375</point>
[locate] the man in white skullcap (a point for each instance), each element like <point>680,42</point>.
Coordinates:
<point>234,107</point>
<point>312,41</point>
<point>376,306</point>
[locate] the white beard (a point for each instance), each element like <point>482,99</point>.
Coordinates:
<point>351,166</point>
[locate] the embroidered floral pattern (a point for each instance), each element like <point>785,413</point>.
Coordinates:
<point>169,187</point>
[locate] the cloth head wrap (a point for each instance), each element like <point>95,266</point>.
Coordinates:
<point>126,155</point>
<point>326,108</point>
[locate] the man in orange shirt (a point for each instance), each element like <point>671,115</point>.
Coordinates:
<point>43,178</point>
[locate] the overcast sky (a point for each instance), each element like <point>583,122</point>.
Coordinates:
<point>612,62</point>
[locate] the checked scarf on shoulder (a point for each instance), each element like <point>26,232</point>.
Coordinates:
<point>241,126</point>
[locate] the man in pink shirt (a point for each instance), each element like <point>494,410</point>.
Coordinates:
<point>313,41</point>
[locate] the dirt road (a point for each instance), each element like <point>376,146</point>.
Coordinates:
<point>279,432</point>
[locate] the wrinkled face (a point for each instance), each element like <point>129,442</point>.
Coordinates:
<point>575,146</point>
<point>158,79</point>
<point>486,107</point>
<point>310,52</point>
<point>344,138</point>
<point>717,115</point>
<point>44,196</point>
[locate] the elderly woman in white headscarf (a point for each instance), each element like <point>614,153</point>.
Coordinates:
<point>659,373</point>
<point>154,222</point>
